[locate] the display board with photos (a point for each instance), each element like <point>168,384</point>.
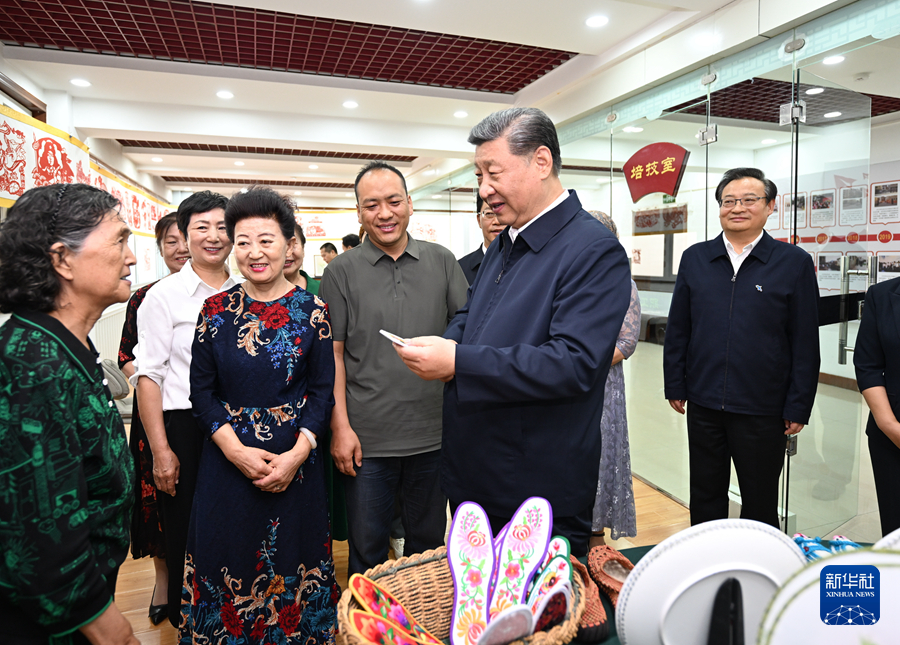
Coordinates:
<point>850,213</point>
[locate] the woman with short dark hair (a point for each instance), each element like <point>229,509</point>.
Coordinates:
<point>258,559</point>
<point>65,476</point>
<point>165,324</point>
<point>146,531</point>
<point>293,265</point>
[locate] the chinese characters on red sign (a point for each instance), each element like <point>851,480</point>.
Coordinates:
<point>657,168</point>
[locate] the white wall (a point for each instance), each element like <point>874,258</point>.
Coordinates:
<point>110,152</point>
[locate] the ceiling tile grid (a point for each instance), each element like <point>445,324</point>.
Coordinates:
<point>758,99</point>
<point>251,182</point>
<point>257,150</point>
<point>218,34</point>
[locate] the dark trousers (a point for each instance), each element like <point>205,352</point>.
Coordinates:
<point>886,468</point>
<point>756,444</point>
<point>186,441</point>
<point>371,495</point>
<point>575,528</point>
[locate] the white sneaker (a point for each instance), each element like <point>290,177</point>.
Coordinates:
<point>397,545</point>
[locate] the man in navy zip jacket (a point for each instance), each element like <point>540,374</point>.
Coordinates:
<point>742,348</point>
<point>524,392</point>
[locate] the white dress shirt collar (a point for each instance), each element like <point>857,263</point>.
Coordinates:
<point>514,232</point>
<point>166,321</point>
<point>192,281</point>
<point>737,259</point>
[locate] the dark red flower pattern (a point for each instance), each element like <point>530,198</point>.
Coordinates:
<point>231,620</point>
<point>275,316</point>
<point>214,305</point>
<point>288,618</point>
<point>259,629</point>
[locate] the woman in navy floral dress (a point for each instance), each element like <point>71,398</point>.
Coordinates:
<point>258,566</point>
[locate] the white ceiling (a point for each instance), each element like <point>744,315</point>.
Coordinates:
<point>168,101</point>
<point>531,22</point>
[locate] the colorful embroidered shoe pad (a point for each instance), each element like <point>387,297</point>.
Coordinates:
<point>379,630</point>
<point>558,546</point>
<point>556,574</point>
<point>498,540</point>
<point>470,556</point>
<point>552,610</point>
<point>511,624</point>
<point>521,553</point>
<point>380,602</point>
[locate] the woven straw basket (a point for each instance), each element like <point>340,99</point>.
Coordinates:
<point>422,582</point>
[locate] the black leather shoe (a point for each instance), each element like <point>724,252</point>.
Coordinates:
<point>158,613</point>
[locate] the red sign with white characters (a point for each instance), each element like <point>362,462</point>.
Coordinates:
<point>657,168</point>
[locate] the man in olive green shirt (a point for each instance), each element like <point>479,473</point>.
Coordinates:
<point>386,423</point>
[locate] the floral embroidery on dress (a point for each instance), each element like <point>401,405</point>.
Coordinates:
<point>262,419</point>
<point>275,607</point>
<point>284,316</point>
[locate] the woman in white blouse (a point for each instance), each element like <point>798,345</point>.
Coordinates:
<point>166,322</point>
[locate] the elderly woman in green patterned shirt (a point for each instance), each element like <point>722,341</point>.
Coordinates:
<point>65,475</point>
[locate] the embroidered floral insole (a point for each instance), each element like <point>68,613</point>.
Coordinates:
<point>470,556</point>
<point>521,553</point>
<point>380,602</point>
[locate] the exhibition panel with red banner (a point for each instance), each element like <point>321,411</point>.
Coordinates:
<point>33,154</point>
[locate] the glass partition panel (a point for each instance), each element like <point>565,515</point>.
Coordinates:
<point>655,230</point>
<point>831,217</point>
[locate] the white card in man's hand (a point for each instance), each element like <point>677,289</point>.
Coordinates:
<point>394,338</point>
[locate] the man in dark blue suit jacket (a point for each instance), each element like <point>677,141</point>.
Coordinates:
<point>526,360</point>
<point>742,347</point>
<point>490,229</point>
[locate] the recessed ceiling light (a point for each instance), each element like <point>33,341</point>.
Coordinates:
<point>832,115</point>
<point>348,195</point>
<point>80,82</point>
<point>351,105</point>
<point>435,197</point>
<point>815,90</point>
<point>460,114</point>
<point>243,190</point>
<point>238,163</point>
<point>596,21</point>
<point>298,192</point>
<point>766,142</point>
<point>631,128</point>
<point>224,94</point>
<point>833,60</point>
<point>313,166</point>
<point>156,159</point>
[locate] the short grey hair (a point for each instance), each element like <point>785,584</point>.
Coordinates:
<point>525,129</point>
<point>606,220</point>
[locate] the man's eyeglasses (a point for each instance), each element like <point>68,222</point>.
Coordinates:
<point>746,201</point>
<point>488,214</point>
